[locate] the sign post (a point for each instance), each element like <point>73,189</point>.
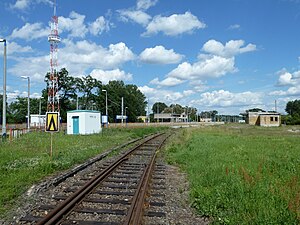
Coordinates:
<point>52,125</point>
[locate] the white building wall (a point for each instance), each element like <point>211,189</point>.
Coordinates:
<point>92,123</point>
<point>37,120</point>
<point>70,122</point>
<point>89,121</point>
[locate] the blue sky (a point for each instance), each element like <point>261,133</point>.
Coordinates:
<point>219,55</point>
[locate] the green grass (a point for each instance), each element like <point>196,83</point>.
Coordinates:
<point>26,160</point>
<point>241,174</point>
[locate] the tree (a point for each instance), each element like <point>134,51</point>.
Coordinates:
<point>159,107</point>
<point>18,111</point>
<point>94,98</point>
<point>192,113</point>
<point>67,86</point>
<point>293,109</point>
<point>89,87</point>
<point>177,109</point>
<point>209,114</point>
<point>134,100</point>
<point>255,110</point>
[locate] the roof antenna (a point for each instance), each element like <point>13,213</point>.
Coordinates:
<point>54,7</point>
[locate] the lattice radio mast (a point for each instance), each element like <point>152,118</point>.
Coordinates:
<point>53,39</point>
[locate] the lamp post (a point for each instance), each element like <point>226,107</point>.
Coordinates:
<point>106,111</point>
<point>4,90</point>
<point>40,107</point>
<point>125,116</point>
<point>28,102</point>
<point>40,111</point>
<point>77,102</point>
<point>122,108</point>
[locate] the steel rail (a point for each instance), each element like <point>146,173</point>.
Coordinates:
<point>135,212</point>
<point>66,206</point>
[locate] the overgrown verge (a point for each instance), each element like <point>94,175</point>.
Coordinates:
<point>26,160</point>
<point>241,175</point>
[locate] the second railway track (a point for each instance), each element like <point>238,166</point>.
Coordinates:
<point>128,190</point>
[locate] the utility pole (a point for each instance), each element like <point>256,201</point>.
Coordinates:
<point>157,112</point>
<point>28,101</point>
<point>148,116</point>
<point>4,91</point>
<point>106,109</point>
<point>122,108</point>
<point>40,111</point>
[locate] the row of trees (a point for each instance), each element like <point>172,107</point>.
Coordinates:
<point>87,92</point>
<point>160,107</point>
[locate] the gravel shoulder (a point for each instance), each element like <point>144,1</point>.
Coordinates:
<point>178,206</point>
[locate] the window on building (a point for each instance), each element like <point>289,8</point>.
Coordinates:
<point>276,119</point>
<point>272,118</point>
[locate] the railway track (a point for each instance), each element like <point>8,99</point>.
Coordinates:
<point>128,190</point>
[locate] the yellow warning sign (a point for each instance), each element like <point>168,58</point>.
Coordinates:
<point>52,122</point>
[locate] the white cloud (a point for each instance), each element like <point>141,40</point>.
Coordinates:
<point>78,57</point>
<point>74,24</point>
<point>136,16</point>
<point>169,82</point>
<point>35,67</point>
<point>83,54</point>
<point>106,76</point>
<point>174,25</point>
<point>292,91</point>
<point>216,61</point>
<point>145,4</point>
<point>234,27</point>
<point>188,93</point>
<point>168,96</point>
<point>213,67</point>
<point>288,79</point>
<point>285,78</point>
<point>160,55</point>
<point>12,96</point>
<point>99,26</point>
<point>224,98</point>
<point>230,49</point>
<point>198,85</point>
<point>24,4</point>
<point>50,2</point>
<point>20,4</point>
<point>30,32</point>
<point>13,48</point>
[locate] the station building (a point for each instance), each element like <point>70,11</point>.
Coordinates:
<point>170,117</point>
<point>265,119</point>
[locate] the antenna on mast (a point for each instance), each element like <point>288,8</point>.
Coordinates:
<point>53,39</point>
<point>54,7</point>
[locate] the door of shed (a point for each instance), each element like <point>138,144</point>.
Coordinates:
<point>75,124</point>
